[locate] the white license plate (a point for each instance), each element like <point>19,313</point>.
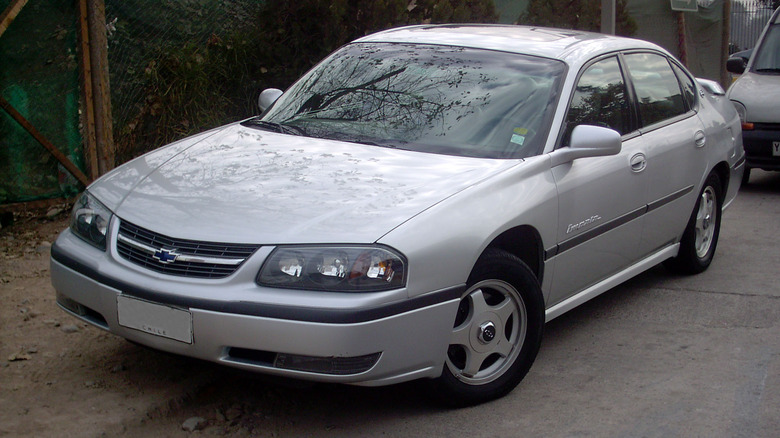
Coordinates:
<point>776,148</point>
<point>156,319</point>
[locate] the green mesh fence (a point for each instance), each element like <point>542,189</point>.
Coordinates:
<point>39,78</point>
<point>162,68</point>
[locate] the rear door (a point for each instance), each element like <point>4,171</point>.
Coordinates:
<point>675,145</point>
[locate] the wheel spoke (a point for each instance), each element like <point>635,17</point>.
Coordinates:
<point>505,310</point>
<point>460,335</point>
<point>474,362</point>
<point>478,303</point>
<point>699,238</point>
<point>503,348</point>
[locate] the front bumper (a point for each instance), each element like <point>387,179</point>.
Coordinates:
<point>366,340</point>
<point>758,144</point>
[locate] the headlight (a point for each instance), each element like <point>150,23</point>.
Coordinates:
<point>334,268</point>
<point>89,220</point>
<point>742,112</point>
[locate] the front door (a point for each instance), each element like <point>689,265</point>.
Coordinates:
<point>601,199</point>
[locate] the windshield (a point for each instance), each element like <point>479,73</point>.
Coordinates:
<point>439,99</point>
<point>768,56</point>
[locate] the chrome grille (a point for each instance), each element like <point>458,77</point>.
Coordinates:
<point>185,258</point>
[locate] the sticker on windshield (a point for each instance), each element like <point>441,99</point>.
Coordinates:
<point>518,136</point>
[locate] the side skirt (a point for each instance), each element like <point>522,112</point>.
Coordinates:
<point>610,282</point>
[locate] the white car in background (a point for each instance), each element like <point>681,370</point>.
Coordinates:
<point>756,95</point>
<point>416,206</point>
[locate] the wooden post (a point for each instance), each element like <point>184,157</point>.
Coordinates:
<point>87,97</point>
<point>725,78</point>
<point>10,13</point>
<point>98,54</point>
<point>681,38</point>
<point>608,17</point>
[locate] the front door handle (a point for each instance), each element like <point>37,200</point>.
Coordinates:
<point>638,163</point>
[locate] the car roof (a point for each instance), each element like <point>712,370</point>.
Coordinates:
<point>571,46</point>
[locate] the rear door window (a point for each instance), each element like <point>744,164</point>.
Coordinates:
<point>689,89</point>
<point>658,93</point>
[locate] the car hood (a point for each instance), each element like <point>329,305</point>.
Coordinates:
<point>758,92</point>
<point>238,184</point>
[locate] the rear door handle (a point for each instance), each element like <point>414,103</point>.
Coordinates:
<point>700,139</point>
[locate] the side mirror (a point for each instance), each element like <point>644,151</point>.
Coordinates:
<point>736,65</point>
<point>268,97</point>
<point>712,87</point>
<point>588,141</point>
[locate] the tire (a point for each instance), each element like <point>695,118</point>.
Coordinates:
<point>496,334</point>
<point>746,176</point>
<point>700,238</point>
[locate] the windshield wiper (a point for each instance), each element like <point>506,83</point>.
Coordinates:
<point>370,141</point>
<point>273,126</point>
<point>768,70</point>
<point>392,144</point>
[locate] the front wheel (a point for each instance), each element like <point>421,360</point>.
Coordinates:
<point>496,333</point>
<point>700,238</point>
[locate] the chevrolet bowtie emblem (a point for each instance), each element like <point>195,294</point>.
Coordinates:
<point>166,256</point>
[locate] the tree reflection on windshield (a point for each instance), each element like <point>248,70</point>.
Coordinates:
<point>439,99</point>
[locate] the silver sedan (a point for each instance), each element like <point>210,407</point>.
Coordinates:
<point>416,206</point>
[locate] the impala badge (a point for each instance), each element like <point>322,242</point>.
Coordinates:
<point>588,221</point>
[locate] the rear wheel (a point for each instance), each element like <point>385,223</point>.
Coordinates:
<point>496,333</point>
<point>698,243</point>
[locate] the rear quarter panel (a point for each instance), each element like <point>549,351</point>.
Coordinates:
<point>724,139</point>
